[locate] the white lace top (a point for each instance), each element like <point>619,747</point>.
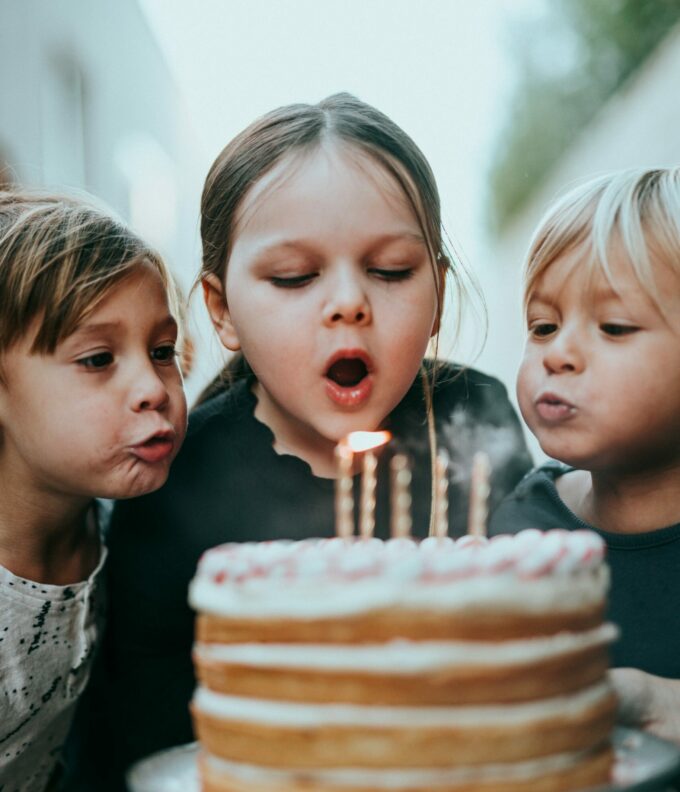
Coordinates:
<point>48,635</point>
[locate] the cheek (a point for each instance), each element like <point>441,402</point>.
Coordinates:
<point>411,323</point>
<point>179,404</point>
<point>525,385</point>
<point>99,419</point>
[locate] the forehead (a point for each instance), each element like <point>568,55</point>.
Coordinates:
<point>141,281</point>
<point>333,178</point>
<point>579,270</point>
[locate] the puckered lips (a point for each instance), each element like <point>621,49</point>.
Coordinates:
<point>349,379</point>
<point>553,408</point>
<point>156,447</point>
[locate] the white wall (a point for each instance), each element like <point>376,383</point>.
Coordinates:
<point>87,101</point>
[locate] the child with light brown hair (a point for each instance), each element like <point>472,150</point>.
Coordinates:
<point>91,405</point>
<point>599,386</point>
<point>324,269</point>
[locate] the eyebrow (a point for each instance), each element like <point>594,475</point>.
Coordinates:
<point>536,296</point>
<point>601,294</point>
<point>388,239</point>
<point>101,328</point>
<point>378,244</point>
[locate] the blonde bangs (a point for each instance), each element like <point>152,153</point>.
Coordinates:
<point>634,213</point>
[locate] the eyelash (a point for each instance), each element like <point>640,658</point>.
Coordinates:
<point>294,282</point>
<point>392,274</point>
<point>542,329</point>
<point>102,360</point>
<point>618,330</point>
<point>297,281</point>
<point>95,362</point>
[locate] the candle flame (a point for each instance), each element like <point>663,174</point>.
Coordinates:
<point>364,441</point>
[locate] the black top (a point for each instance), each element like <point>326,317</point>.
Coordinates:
<point>645,570</point>
<point>229,485</point>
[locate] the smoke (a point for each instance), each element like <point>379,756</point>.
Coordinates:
<point>463,435</point>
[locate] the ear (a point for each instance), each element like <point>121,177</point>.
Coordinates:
<point>216,303</point>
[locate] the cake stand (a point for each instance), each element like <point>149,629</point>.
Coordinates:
<point>644,763</point>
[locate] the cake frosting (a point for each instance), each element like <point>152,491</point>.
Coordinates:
<point>365,665</point>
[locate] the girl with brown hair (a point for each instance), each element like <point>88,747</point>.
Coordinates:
<point>324,270</point>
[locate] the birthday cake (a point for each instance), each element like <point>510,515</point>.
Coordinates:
<point>356,665</point>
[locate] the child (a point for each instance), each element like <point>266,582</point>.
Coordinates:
<point>599,386</point>
<point>324,266</point>
<point>91,405</point>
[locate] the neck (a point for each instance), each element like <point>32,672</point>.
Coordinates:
<point>627,503</point>
<point>320,460</point>
<point>296,440</point>
<point>44,535</point>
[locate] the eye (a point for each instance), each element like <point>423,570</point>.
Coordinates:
<point>293,282</point>
<point>165,353</point>
<point>391,274</point>
<point>99,360</point>
<point>612,329</point>
<point>542,329</point>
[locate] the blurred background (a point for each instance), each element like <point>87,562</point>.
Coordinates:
<point>512,101</point>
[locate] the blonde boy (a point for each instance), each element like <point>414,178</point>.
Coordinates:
<point>599,386</point>
<point>91,405</point>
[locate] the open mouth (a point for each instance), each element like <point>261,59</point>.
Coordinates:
<point>349,379</point>
<point>347,372</point>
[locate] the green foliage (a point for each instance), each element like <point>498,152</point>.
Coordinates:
<point>602,43</point>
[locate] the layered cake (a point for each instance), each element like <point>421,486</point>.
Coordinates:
<point>360,665</point>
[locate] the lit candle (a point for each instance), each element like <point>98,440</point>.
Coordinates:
<point>344,491</point>
<point>441,494</point>
<point>400,497</point>
<point>367,442</point>
<point>479,494</point>
<point>367,504</point>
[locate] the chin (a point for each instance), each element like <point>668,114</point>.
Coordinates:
<point>573,457</point>
<point>143,485</point>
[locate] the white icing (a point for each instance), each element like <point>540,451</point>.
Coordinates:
<point>531,571</point>
<point>398,778</point>
<point>282,713</point>
<point>404,657</point>
<point>315,598</point>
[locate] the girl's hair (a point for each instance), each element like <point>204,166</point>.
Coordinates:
<point>636,210</point>
<point>59,257</point>
<point>301,128</point>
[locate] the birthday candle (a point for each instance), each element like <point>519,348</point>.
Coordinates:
<point>400,497</point>
<point>479,493</point>
<point>367,504</point>
<point>367,442</point>
<point>344,495</point>
<point>441,495</point>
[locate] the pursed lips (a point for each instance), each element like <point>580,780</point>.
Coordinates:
<point>554,408</point>
<point>156,447</point>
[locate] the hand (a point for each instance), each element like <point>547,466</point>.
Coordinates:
<point>648,702</point>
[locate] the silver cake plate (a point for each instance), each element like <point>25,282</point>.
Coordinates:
<point>644,763</point>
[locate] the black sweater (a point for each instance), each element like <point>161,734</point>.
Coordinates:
<point>644,599</point>
<point>229,485</point>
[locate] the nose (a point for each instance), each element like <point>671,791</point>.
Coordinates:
<point>564,353</point>
<point>347,301</point>
<point>149,391</point>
